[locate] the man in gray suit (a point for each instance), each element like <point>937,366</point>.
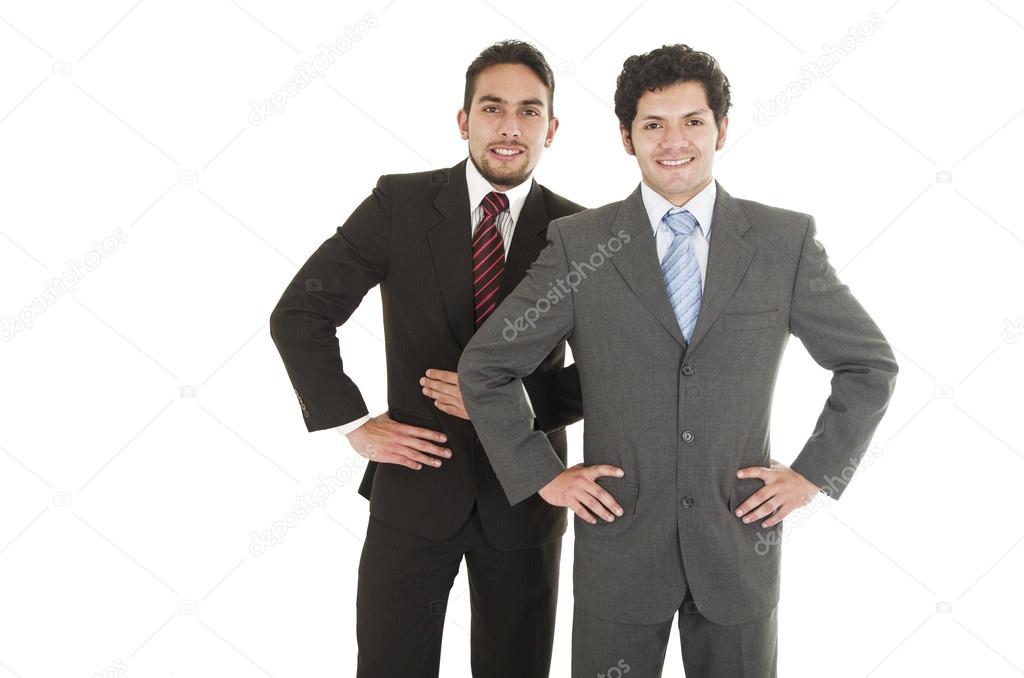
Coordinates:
<point>677,302</point>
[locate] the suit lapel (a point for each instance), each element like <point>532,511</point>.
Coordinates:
<point>729,257</point>
<point>528,239</point>
<point>451,252</point>
<point>638,263</point>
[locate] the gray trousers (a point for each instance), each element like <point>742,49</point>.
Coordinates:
<point>608,649</point>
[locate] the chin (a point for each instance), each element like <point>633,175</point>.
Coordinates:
<point>506,176</point>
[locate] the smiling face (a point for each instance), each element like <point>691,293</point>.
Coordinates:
<point>507,125</point>
<point>674,139</point>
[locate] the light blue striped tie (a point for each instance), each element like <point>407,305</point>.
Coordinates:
<point>681,271</point>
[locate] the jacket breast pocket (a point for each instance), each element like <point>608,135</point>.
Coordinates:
<point>751,321</point>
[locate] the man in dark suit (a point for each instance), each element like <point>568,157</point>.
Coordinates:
<point>445,247</point>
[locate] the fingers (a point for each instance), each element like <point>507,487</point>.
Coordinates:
<point>419,433</point>
<point>435,386</point>
<point>784,491</point>
<point>423,446</point>
<point>779,516</point>
<point>410,446</point>
<point>443,387</point>
<point>580,510</point>
<point>444,398</point>
<point>409,457</point>
<point>445,376</point>
<point>607,501</point>
<point>452,410</point>
<point>754,472</point>
<point>586,494</point>
<point>766,508</point>
<point>764,503</point>
<point>598,470</point>
<point>400,460</point>
<point>597,505</point>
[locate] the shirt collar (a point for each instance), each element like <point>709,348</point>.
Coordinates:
<point>701,206</point>
<point>479,187</point>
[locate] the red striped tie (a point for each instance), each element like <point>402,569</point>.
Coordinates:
<point>488,257</point>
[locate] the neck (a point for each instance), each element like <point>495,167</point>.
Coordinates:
<point>680,199</point>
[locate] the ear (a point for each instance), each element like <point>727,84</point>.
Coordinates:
<point>627,142</point>
<point>463,120</point>
<point>721,133</point>
<point>552,128</point>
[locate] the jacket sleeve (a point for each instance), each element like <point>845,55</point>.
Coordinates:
<point>321,297</point>
<point>841,337</point>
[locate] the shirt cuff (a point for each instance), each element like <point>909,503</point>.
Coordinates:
<point>345,429</point>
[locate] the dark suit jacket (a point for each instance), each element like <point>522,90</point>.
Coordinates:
<point>412,237</point>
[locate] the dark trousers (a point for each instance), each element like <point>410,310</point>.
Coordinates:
<point>404,582</point>
<point>608,649</point>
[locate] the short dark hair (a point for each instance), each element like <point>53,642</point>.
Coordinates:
<point>510,52</point>
<point>666,66</point>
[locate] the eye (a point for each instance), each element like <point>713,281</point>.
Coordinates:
<point>695,122</point>
<point>652,125</point>
<point>490,109</point>
<point>530,112</point>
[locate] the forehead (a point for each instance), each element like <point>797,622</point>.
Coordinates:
<point>511,82</point>
<point>690,95</point>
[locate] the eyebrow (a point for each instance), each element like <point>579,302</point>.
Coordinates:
<point>499,100</point>
<point>652,116</point>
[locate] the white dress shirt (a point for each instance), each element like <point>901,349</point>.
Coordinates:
<point>478,187</point>
<point>701,206</point>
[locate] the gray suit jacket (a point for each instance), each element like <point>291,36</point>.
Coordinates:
<point>679,420</point>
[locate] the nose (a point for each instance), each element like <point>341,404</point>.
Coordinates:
<point>509,128</point>
<point>675,137</point>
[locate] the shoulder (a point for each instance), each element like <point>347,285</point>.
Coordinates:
<point>417,180</point>
<point>759,213</point>
<point>586,227</point>
<point>596,216</point>
<point>777,224</point>
<point>556,205</point>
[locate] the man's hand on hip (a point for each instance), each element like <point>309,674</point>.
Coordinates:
<point>384,440</point>
<point>443,387</point>
<point>784,491</point>
<point>576,488</point>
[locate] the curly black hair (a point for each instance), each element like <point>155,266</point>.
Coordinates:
<point>666,66</point>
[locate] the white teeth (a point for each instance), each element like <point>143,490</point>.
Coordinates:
<point>674,163</point>
<point>505,151</point>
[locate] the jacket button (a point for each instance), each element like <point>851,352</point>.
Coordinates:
<point>687,502</point>
<point>687,436</point>
<point>687,370</point>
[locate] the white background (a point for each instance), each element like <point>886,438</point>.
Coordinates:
<point>149,428</point>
